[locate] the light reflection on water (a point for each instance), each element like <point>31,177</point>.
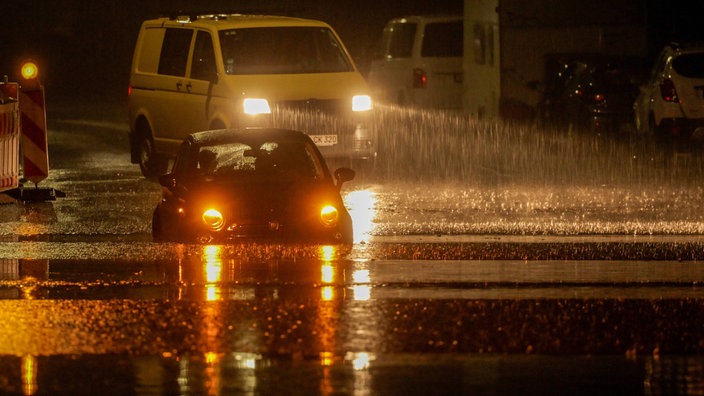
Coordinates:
<point>358,373</point>
<point>362,207</point>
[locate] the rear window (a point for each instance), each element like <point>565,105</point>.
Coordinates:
<point>443,39</point>
<point>283,50</point>
<point>397,40</point>
<point>689,65</point>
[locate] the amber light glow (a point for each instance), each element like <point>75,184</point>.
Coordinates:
<point>29,70</point>
<point>213,219</point>
<point>329,215</point>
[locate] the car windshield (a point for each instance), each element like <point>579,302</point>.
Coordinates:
<point>283,50</point>
<point>262,161</point>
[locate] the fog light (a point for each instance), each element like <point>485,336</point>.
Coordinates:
<point>213,219</point>
<point>329,216</point>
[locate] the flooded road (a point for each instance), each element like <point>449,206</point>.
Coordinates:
<point>450,288</point>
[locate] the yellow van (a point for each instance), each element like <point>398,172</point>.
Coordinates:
<point>192,73</point>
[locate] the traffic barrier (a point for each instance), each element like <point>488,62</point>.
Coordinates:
<point>29,96</point>
<point>35,164</point>
<point>9,136</point>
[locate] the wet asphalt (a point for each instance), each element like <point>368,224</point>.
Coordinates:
<point>421,303</point>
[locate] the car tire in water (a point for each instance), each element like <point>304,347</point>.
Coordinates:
<point>157,227</point>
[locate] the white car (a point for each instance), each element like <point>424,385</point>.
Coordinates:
<point>418,62</point>
<point>670,105</point>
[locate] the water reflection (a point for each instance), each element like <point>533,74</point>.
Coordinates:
<point>362,207</point>
<point>354,373</point>
<point>212,262</point>
<point>29,375</point>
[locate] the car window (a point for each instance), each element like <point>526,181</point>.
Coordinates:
<point>443,39</point>
<point>283,50</point>
<point>203,64</point>
<point>397,40</point>
<point>689,65</point>
<point>174,52</point>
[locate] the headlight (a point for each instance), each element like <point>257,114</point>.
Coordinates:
<point>361,103</point>
<point>213,219</point>
<point>329,215</point>
<point>253,106</point>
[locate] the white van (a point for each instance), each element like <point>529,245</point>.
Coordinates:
<point>419,62</point>
<point>199,72</point>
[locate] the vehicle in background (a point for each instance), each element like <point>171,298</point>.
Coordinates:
<point>273,184</point>
<point>591,92</point>
<point>670,106</point>
<point>506,42</point>
<point>418,62</point>
<point>198,72</point>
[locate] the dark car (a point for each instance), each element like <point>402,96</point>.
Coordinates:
<point>593,93</point>
<point>254,183</point>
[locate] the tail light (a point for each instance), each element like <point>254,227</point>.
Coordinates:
<point>668,91</point>
<point>420,78</point>
<point>596,97</point>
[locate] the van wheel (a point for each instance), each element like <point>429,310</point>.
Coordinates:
<point>150,162</point>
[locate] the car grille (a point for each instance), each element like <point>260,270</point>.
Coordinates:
<point>328,106</point>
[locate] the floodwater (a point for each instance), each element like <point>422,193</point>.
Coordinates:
<point>488,259</point>
<point>315,320</point>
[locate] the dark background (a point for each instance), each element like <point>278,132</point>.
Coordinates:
<point>85,46</point>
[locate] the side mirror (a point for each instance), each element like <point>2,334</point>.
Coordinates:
<point>343,175</point>
<point>168,180</point>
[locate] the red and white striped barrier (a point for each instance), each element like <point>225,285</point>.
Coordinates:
<point>9,137</point>
<point>34,135</point>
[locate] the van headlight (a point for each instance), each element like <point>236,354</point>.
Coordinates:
<point>361,103</point>
<point>254,106</point>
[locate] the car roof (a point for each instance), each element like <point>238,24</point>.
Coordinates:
<point>232,21</point>
<point>220,136</point>
<point>427,18</point>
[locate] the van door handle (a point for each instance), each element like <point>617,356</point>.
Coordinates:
<point>189,87</point>
<point>179,85</point>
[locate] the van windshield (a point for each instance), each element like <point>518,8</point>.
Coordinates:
<point>283,50</point>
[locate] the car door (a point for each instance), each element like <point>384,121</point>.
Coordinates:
<point>194,109</point>
<point>170,86</point>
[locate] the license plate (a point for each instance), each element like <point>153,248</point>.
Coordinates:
<point>324,140</point>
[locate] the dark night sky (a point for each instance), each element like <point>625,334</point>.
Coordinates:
<point>86,45</point>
